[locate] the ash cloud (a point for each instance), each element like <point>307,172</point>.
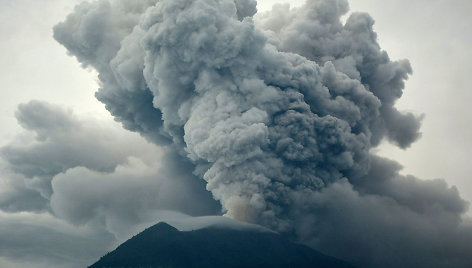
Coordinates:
<point>278,114</point>
<point>131,196</point>
<point>55,140</point>
<point>74,187</point>
<point>315,31</point>
<point>16,196</point>
<point>67,154</point>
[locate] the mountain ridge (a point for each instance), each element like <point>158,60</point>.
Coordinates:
<point>162,245</point>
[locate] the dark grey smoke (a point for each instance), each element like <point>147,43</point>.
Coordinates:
<point>315,31</point>
<point>279,117</point>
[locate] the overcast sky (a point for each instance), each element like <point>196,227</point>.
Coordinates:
<point>433,34</point>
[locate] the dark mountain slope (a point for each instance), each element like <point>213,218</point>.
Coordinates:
<point>164,246</point>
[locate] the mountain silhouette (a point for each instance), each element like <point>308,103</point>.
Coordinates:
<point>164,246</point>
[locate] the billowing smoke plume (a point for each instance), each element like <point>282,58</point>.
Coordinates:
<point>278,115</point>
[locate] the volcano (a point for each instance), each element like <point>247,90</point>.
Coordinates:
<point>165,246</point>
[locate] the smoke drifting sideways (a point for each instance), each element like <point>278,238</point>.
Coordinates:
<point>278,113</point>
<point>74,187</point>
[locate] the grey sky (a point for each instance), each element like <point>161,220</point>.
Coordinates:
<point>33,65</point>
<point>434,35</point>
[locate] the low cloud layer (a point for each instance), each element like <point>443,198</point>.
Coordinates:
<point>275,115</point>
<point>75,187</point>
<point>42,240</point>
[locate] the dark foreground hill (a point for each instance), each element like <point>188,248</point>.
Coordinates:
<point>164,246</point>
